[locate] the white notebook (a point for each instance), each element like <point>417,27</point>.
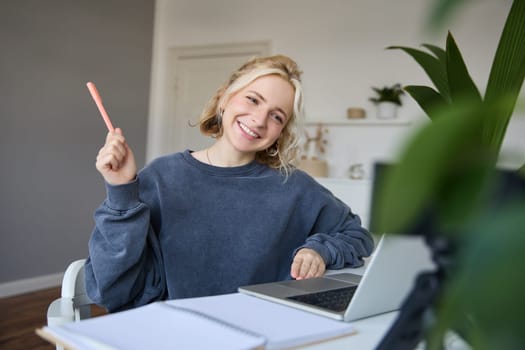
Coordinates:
<point>231,321</point>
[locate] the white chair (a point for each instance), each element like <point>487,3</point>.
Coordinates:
<point>74,304</point>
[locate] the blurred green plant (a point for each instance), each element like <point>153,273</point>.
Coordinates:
<point>388,94</point>
<point>449,163</point>
<point>440,11</point>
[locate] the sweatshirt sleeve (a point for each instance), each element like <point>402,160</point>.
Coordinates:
<point>124,268</point>
<point>337,234</point>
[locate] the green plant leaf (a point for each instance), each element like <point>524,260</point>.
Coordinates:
<point>506,75</point>
<point>388,94</point>
<point>452,144</point>
<point>438,52</point>
<point>461,84</point>
<point>432,66</point>
<point>427,98</point>
<point>445,166</point>
<point>494,243</point>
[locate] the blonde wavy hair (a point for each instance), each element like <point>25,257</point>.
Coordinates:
<point>284,151</point>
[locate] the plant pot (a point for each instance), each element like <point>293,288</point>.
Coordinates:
<point>386,110</point>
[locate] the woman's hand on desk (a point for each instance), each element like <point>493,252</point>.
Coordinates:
<point>115,160</point>
<point>307,263</point>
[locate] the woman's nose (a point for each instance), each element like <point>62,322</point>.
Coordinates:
<point>258,118</point>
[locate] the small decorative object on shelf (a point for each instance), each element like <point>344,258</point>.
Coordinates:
<point>356,171</point>
<point>314,147</point>
<point>388,100</point>
<point>355,113</point>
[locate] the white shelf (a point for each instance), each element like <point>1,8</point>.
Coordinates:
<point>362,122</point>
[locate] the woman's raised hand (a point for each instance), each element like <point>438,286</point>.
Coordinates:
<point>115,160</point>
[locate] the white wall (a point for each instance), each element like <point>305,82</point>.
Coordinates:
<point>340,46</point>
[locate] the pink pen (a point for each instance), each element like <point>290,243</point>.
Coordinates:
<point>96,97</point>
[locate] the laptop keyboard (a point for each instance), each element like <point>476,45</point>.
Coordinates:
<point>335,300</point>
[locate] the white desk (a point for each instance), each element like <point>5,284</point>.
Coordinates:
<point>371,330</point>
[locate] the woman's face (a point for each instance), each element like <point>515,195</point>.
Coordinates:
<point>254,117</point>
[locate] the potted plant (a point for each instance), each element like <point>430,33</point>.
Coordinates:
<point>388,100</point>
<point>449,164</point>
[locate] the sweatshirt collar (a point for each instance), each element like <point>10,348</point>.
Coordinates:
<point>251,168</point>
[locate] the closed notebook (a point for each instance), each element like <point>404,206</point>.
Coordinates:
<point>154,326</point>
<point>231,321</point>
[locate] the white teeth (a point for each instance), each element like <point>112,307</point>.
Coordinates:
<point>248,131</point>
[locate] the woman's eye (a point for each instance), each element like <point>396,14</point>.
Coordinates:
<point>252,100</point>
<point>278,118</point>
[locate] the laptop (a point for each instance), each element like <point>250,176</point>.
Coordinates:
<point>388,278</point>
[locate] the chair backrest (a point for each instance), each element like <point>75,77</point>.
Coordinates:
<point>74,304</point>
<point>74,288</point>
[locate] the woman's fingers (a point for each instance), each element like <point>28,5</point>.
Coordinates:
<point>307,263</point>
<point>111,155</point>
<point>115,160</point>
<point>109,161</point>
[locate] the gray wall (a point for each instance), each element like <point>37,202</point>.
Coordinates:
<point>50,129</point>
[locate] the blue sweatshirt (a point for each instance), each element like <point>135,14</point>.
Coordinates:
<point>184,228</point>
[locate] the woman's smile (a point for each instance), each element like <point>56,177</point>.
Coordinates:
<point>249,132</point>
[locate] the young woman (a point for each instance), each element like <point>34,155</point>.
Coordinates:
<point>237,213</point>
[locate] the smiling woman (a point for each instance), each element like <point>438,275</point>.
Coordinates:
<point>273,85</point>
<point>252,121</point>
<point>237,213</point>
